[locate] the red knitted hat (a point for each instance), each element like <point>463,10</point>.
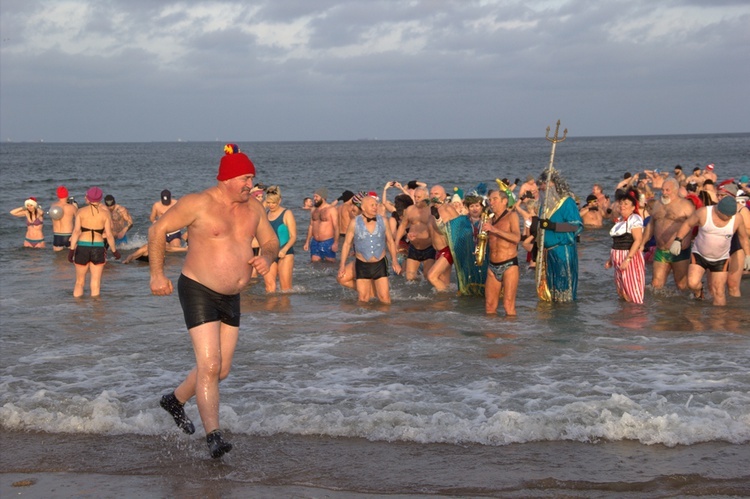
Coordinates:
<point>234,163</point>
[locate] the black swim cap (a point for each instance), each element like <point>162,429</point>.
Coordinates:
<point>109,200</point>
<point>166,197</point>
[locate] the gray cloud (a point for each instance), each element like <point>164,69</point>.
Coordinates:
<point>316,70</point>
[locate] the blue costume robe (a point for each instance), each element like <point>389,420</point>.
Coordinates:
<point>470,277</point>
<point>560,252</point>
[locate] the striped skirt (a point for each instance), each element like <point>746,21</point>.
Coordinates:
<point>630,282</point>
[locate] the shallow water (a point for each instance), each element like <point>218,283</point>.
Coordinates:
<point>318,370</point>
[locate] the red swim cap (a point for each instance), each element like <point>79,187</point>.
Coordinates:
<point>234,163</point>
<point>62,192</point>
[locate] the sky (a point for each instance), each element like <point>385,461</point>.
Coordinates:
<point>288,70</point>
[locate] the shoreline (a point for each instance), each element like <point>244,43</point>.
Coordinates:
<point>74,465</point>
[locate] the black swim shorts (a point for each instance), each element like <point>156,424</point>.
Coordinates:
<point>61,240</point>
<point>201,304</point>
<point>371,270</point>
<point>711,266</point>
<point>90,254</point>
<point>420,255</point>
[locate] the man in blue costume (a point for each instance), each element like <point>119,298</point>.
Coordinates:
<point>561,223</point>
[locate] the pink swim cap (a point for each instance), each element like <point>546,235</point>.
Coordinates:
<point>94,195</point>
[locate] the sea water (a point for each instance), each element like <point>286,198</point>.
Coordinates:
<point>314,366</point>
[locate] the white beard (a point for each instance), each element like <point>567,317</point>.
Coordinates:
<point>665,201</point>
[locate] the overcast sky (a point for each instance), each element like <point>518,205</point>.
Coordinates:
<point>149,70</point>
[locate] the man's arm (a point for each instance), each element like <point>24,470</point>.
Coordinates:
<point>682,233</point>
<point>346,246</point>
<point>392,248</point>
<point>126,216</point>
<point>154,213</point>
<point>403,225</point>
<point>335,223</point>
<point>741,230</point>
<point>309,231</point>
<point>183,214</point>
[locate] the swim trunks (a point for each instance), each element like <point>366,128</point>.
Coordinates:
<point>664,256</point>
<point>90,253</point>
<point>420,255</point>
<point>173,235</point>
<point>498,269</point>
<point>121,241</point>
<point>323,249</point>
<point>717,266</point>
<point>201,304</point>
<point>445,253</point>
<point>371,270</point>
<point>61,240</point>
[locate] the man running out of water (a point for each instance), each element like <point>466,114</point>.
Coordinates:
<point>222,220</point>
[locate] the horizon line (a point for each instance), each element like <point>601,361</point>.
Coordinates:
<point>366,139</point>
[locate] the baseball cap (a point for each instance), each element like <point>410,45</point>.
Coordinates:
<point>346,196</point>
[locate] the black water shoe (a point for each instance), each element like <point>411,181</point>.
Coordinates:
<point>216,446</point>
<point>173,407</point>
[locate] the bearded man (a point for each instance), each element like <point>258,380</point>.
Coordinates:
<point>561,223</point>
<point>667,215</point>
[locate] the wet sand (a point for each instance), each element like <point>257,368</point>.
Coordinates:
<point>175,465</point>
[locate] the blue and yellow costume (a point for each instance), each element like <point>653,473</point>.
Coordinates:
<point>560,250</point>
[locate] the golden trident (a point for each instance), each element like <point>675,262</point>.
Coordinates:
<point>542,289</point>
<point>554,141</point>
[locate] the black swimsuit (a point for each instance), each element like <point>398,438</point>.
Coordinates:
<point>201,304</point>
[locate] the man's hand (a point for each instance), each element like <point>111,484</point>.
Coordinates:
<point>261,264</point>
<point>161,285</point>
<point>676,247</point>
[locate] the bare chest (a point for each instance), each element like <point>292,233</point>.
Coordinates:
<point>320,215</point>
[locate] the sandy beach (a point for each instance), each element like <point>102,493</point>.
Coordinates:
<point>40,465</point>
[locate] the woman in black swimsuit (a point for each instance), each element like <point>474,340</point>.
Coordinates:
<point>87,249</point>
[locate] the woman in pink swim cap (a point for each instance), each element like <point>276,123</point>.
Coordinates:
<point>87,249</point>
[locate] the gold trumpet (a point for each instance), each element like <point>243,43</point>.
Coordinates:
<point>481,250</point>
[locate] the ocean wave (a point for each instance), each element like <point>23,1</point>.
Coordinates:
<point>607,419</point>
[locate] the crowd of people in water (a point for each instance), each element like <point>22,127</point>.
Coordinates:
<point>426,232</point>
<point>692,226</point>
